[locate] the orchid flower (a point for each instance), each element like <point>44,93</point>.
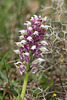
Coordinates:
<point>31,46</point>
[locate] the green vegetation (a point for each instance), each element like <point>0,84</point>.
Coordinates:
<point>51,79</point>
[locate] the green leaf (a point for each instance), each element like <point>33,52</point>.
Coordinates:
<point>1,96</point>
<point>3,76</point>
<point>18,98</point>
<point>40,77</point>
<point>16,90</point>
<point>65,72</point>
<point>37,97</point>
<point>7,67</point>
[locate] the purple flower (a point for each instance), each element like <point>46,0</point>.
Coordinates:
<point>26,46</point>
<point>29,30</point>
<point>21,57</point>
<point>34,19</point>
<point>36,37</point>
<point>25,36</point>
<point>33,48</point>
<point>22,69</point>
<point>35,64</point>
<point>32,43</point>
<point>37,53</point>
<point>21,49</point>
<point>38,44</point>
<point>34,27</point>
<point>27,59</point>
<point>38,23</point>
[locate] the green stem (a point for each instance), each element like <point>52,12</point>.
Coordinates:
<point>25,82</point>
<point>54,98</point>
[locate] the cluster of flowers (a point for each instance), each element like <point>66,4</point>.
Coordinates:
<point>32,44</point>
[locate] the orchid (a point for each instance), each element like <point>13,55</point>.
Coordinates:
<point>31,46</point>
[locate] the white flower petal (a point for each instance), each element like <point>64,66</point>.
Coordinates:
<point>28,23</point>
<point>19,44</point>
<point>33,47</point>
<point>17,51</point>
<point>35,33</point>
<point>21,37</point>
<point>29,38</point>
<point>36,22</point>
<point>17,64</point>
<point>23,32</point>
<point>39,60</point>
<point>43,49</point>
<point>30,28</point>
<point>40,16</point>
<point>44,43</point>
<point>27,54</point>
<point>44,19</point>
<point>31,18</point>
<point>45,26</point>
<point>23,41</point>
<point>36,17</point>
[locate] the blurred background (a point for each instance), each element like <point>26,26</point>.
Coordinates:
<point>13,14</point>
